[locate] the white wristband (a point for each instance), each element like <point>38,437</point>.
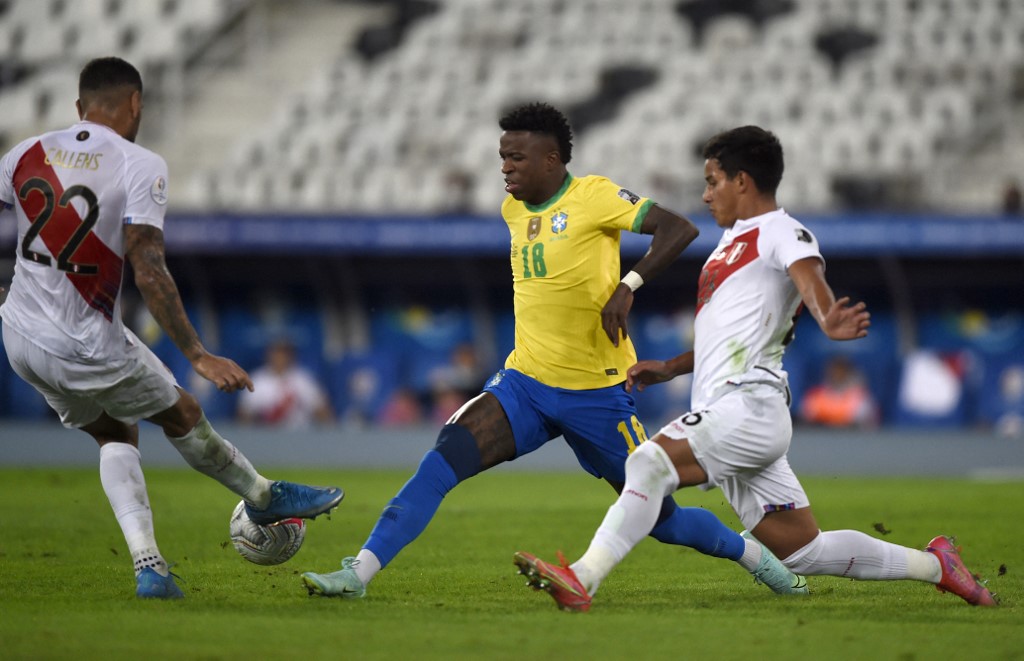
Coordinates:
<point>632,280</point>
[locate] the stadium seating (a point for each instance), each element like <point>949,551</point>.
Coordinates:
<point>923,80</point>
<point>45,42</point>
<point>923,85</point>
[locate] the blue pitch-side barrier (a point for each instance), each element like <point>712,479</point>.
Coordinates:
<point>849,235</point>
<point>844,235</point>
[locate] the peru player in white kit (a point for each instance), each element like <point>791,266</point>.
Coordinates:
<point>766,267</point>
<point>86,198</point>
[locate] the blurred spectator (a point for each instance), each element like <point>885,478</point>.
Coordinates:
<point>362,387</point>
<point>454,384</point>
<point>458,186</point>
<point>402,409</point>
<point>932,388</point>
<point>444,402</point>
<point>1011,402</point>
<point>284,393</point>
<point>463,373</point>
<point>1012,204</point>
<point>842,399</point>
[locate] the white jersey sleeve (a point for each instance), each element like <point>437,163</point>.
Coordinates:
<point>7,165</point>
<point>785,240</point>
<point>7,180</point>
<point>146,184</point>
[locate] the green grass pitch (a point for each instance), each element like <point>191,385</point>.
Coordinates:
<point>66,585</point>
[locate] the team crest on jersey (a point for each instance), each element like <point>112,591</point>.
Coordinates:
<point>158,191</point>
<point>533,228</point>
<point>629,196</point>
<point>731,253</point>
<point>559,222</point>
<point>804,235</point>
<point>735,252</point>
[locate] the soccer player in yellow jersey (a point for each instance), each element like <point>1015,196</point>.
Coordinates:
<point>567,372</point>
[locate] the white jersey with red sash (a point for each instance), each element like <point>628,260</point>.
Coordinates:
<point>747,304</point>
<point>73,190</point>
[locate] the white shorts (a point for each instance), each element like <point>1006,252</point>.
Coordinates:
<point>741,441</point>
<point>130,388</point>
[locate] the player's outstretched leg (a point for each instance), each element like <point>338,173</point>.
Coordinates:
<point>773,573</point>
<point>342,583</point>
<point>295,501</point>
<point>956,578</point>
<point>560,582</point>
<point>151,585</point>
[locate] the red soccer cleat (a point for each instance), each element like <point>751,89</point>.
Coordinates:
<point>956,578</point>
<point>560,582</point>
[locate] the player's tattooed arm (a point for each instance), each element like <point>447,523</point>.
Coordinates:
<point>144,246</point>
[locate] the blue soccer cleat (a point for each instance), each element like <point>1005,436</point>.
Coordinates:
<point>774,574</point>
<point>342,583</point>
<point>295,501</point>
<point>151,585</point>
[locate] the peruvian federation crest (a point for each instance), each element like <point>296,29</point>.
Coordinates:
<point>533,228</point>
<point>559,222</point>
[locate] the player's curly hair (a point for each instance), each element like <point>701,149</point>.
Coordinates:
<point>750,149</point>
<point>104,73</point>
<point>541,118</point>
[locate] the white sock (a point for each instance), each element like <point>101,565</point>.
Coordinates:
<point>751,557</point>
<point>125,486</point>
<point>923,566</point>
<point>367,567</point>
<point>205,450</point>
<point>650,476</point>
<point>853,554</point>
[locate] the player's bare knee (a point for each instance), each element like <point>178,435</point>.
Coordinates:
<point>108,430</point>
<point>484,419</point>
<point>181,418</point>
<point>649,468</point>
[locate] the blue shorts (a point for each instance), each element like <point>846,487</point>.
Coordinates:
<point>601,425</point>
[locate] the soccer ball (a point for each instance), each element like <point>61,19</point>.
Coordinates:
<point>265,545</point>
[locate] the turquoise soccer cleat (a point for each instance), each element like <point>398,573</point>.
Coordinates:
<point>342,583</point>
<point>774,574</point>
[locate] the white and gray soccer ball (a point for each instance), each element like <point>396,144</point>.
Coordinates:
<point>265,545</point>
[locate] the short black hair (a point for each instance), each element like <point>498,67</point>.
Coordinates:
<point>104,73</point>
<point>541,118</point>
<point>750,149</point>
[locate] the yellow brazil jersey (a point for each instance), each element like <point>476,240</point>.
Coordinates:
<point>565,266</point>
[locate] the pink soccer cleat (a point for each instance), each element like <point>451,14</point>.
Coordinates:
<point>560,582</point>
<point>956,578</point>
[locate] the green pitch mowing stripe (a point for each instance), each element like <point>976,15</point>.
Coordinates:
<point>66,585</point>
